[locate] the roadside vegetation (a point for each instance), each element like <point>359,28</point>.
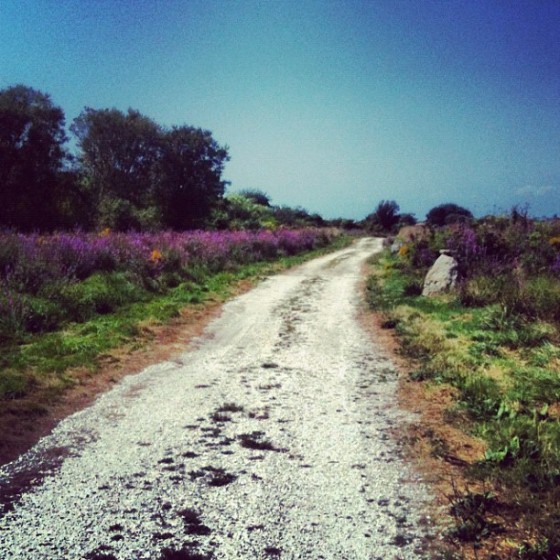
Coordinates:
<point>495,342</point>
<point>67,298</point>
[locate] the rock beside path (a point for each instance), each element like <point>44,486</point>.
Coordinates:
<point>442,277</point>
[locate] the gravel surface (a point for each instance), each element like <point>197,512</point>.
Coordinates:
<point>269,438</point>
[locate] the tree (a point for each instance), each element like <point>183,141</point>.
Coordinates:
<point>143,176</point>
<point>31,157</point>
<point>385,217</point>
<point>189,176</point>
<point>448,213</point>
<point>119,153</point>
<point>257,196</point>
<point>407,220</point>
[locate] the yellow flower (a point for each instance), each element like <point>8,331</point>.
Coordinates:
<point>156,256</point>
<point>403,251</point>
<point>105,232</point>
<point>554,241</point>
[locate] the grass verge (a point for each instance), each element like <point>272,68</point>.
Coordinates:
<point>502,372</point>
<point>44,362</point>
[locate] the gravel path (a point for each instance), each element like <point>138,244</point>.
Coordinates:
<point>268,438</point>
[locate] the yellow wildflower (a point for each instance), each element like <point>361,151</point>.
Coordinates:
<point>156,256</point>
<point>403,251</point>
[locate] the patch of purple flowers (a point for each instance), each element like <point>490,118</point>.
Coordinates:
<point>28,262</point>
<point>38,272</point>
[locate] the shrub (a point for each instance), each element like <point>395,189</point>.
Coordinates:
<point>100,293</point>
<point>446,214</point>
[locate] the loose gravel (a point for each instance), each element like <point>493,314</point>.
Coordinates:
<point>270,437</point>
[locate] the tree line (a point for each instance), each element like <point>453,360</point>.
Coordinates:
<point>386,218</point>
<point>129,172</point>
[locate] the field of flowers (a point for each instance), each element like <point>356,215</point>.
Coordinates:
<point>47,281</point>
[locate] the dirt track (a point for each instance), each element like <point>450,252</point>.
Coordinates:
<point>270,437</point>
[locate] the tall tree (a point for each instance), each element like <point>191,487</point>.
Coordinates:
<point>189,176</point>
<point>31,157</point>
<point>119,153</point>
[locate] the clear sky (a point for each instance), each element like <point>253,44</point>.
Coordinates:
<point>329,105</point>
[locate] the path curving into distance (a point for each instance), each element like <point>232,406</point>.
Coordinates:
<point>268,438</point>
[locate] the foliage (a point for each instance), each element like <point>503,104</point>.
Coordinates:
<point>238,212</point>
<point>143,176</point>
<point>122,284</point>
<point>385,217</point>
<point>130,173</point>
<point>31,158</point>
<point>247,210</point>
<point>497,343</point>
<point>448,213</point>
<point>296,217</point>
<point>50,280</point>
<point>407,220</point>
<point>189,173</point>
<point>257,196</point>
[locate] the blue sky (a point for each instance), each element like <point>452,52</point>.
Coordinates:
<point>329,105</point>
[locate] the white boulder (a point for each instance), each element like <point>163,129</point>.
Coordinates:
<point>442,277</point>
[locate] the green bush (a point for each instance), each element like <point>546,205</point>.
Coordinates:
<point>43,315</point>
<point>13,384</point>
<point>100,293</point>
<point>540,297</point>
<point>481,290</point>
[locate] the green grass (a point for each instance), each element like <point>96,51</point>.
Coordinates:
<point>108,311</point>
<point>505,368</point>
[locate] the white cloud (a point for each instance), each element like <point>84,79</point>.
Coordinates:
<point>535,191</point>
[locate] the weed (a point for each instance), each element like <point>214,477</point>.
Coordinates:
<point>471,512</point>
